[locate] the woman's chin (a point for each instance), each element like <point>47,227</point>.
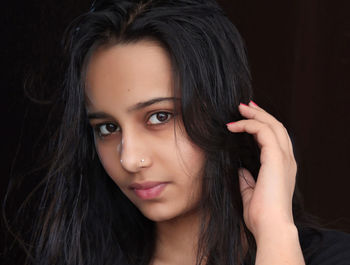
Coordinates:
<point>158,216</point>
<point>167,214</point>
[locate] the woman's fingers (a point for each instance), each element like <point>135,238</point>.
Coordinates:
<point>276,149</point>
<point>255,106</point>
<point>269,133</point>
<point>261,131</point>
<point>254,112</point>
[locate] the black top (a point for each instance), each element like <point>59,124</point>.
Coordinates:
<point>325,247</point>
<point>321,247</point>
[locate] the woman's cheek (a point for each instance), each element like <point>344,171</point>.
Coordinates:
<point>107,154</point>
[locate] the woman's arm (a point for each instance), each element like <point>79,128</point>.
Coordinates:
<point>267,203</point>
<point>279,245</point>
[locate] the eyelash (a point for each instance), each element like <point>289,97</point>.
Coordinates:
<point>97,127</point>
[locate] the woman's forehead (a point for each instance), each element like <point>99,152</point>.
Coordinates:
<point>128,73</point>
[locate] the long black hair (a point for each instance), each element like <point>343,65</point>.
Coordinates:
<point>82,216</point>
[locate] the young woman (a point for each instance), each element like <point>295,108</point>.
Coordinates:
<point>161,156</point>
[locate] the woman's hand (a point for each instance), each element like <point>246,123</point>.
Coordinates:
<point>269,200</point>
<point>267,203</point>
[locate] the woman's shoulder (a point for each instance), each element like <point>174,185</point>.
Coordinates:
<point>325,247</point>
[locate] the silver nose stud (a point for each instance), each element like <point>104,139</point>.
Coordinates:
<point>141,161</point>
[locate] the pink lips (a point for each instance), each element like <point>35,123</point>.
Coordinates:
<point>148,190</point>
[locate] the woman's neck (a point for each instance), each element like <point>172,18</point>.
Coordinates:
<point>176,241</point>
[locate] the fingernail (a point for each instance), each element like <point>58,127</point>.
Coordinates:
<point>243,104</point>
<point>254,103</point>
<point>232,122</point>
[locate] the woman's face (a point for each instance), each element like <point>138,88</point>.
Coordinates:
<point>129,91</point>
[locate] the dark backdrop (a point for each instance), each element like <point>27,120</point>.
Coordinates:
<point>300,60</point>
<point>299,53</point>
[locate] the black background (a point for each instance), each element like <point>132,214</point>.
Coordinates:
<point>299,51</point>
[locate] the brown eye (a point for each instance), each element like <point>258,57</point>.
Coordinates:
<point>160,117</point>
<point>106,129</point>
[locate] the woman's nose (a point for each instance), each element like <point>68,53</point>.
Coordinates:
<point>134,153</point>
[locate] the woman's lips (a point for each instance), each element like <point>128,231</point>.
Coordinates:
<point>148,190</point>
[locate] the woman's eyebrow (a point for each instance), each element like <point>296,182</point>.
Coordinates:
<point>147,103</point>
<point>98,115</point>
<point>137,106</point>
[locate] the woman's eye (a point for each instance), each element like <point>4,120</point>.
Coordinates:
<point>160,117</point>
<point>106,129</point>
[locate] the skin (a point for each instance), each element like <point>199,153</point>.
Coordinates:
<point>120,76</point>
<point>267,203</point>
